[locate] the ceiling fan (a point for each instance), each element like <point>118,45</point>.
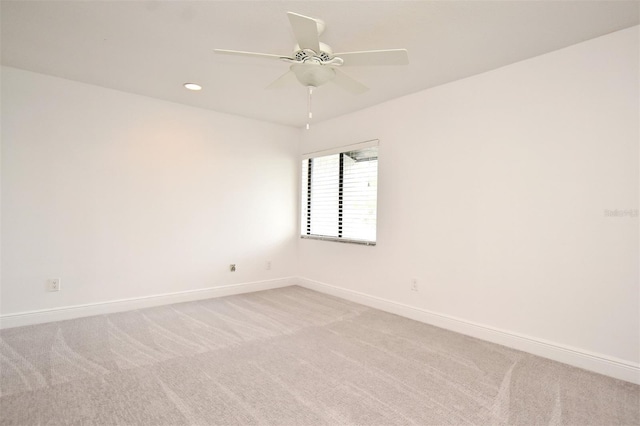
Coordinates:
<point>313,63</point>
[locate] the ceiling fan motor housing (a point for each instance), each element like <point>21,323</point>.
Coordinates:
<point>325,53</point>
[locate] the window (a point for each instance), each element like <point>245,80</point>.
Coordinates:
<point>340,193</point>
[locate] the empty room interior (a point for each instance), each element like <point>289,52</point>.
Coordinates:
<point>320,212</point>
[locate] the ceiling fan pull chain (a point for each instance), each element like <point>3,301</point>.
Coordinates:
<point>310,114</point>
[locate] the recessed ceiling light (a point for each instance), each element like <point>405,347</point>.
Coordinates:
<point>192,86</point>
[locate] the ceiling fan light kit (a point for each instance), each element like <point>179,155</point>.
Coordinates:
<point>314,64</point>
<point>311,73</point>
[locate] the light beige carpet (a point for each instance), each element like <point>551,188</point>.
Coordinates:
<point>289,356</point>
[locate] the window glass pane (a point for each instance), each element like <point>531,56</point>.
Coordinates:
<point>324,195</point>
<point>360,199</point>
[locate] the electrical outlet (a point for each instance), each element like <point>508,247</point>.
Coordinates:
<point>53,284</point>
<point>414,284</point>
<point>268,265</point>
<point>232,267</point>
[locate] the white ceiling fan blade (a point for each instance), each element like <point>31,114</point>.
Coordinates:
<point>305,30</point>
<point>375,57</point>
<point>348,83</point>
<point>286,79</point>
<point>254,54</point>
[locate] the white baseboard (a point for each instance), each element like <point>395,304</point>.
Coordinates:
<point>609,366</point>
<point>90,309</point>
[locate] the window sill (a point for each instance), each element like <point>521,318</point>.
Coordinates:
<point>338,240</point>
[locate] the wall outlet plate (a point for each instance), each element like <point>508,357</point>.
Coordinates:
<point>414,284</point>
<point>53,284</point>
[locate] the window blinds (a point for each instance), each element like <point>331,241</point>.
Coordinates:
<point>339,194</point>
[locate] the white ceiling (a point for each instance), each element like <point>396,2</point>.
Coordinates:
<point>152,47</point>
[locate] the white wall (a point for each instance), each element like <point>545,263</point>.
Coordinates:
<point>123,196</point>
<point>492,193</point>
